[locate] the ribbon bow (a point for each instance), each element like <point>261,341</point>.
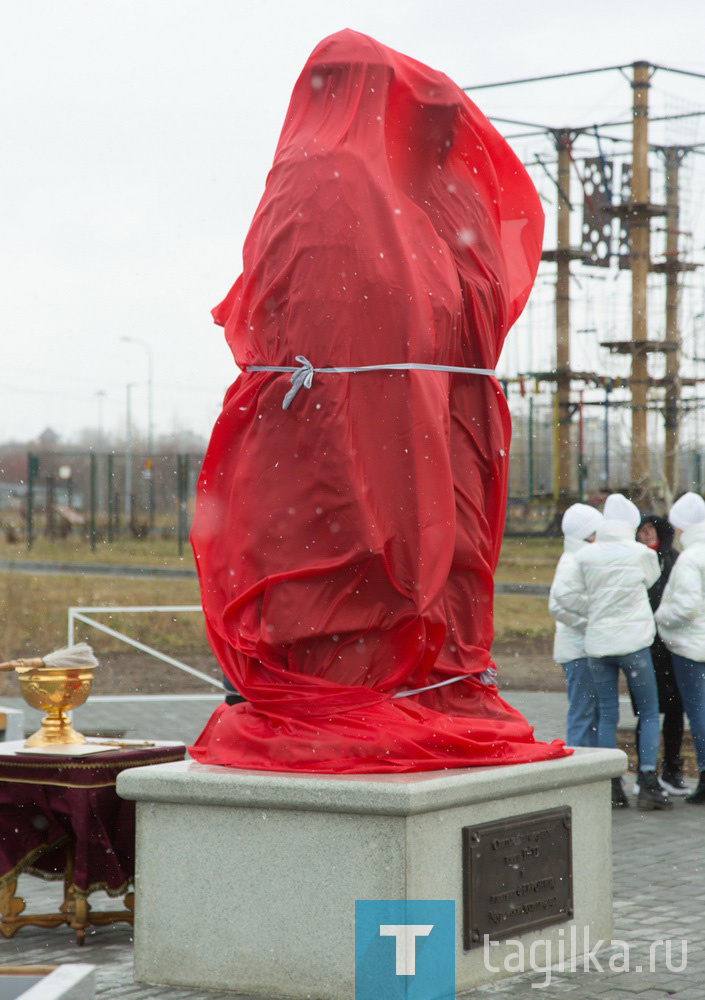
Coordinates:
<point>301,377</point>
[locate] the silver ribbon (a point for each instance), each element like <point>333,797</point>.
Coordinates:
<point>303,376</point>
<point>487,677</point>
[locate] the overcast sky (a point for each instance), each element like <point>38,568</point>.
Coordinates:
<point>136,138</point>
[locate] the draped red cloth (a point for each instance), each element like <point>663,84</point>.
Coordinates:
<point>346,546</point>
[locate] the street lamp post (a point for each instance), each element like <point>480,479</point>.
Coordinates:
<point>150,389</point>
<point>100,447</point>
<point>100,396</point>
<point>150,422</point>
<point>128,456</point>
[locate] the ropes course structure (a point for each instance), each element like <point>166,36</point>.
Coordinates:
<point>604,371</point>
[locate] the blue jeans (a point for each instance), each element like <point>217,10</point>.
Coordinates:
<point>639,672</point>
<point>582,716</point>
<point>690,678</point>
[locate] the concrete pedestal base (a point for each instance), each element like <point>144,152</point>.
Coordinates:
<point>247,881</point>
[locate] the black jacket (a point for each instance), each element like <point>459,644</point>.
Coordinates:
<point>666,555</point>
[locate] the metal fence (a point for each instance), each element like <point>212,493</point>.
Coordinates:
<point>98,496</point>
<point>111,495</point>
<point>600,453</point>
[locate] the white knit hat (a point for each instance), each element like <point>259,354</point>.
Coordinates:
<point>580,521</point>
<point>618,508</point>
<point>689,509</point>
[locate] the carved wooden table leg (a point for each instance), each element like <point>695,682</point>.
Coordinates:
<point>74,906</point>
<point>75,909</point>
<point>81,918</point>
<point>103,917</point>
<point>68,805</point>
<point>11,906</point>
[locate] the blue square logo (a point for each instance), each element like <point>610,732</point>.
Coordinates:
<point>405,949</point>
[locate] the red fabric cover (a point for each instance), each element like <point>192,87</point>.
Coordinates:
<point>346,546</point>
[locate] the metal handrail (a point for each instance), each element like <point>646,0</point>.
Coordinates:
<point>80,614</point>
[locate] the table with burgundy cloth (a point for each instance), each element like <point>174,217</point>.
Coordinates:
<point>61,818</point>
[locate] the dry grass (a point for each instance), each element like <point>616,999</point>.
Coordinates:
<point>153,551</point>
<point>33,609</point>
<point>529,560</point>
<point>517,617</point>
<point>33,612</point>
<point>525,560</point>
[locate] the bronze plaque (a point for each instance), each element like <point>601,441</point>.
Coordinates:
<point>517,875</point>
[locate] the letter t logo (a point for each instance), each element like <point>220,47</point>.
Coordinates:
<point>406,935</point>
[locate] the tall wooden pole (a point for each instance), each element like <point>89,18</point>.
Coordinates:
<point>672,408</point>
<point>564,463</point>
<point>640,251</point>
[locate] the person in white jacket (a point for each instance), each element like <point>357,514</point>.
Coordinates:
<point>608,584</point>
<point>579,524</point>
<point>681,622</point>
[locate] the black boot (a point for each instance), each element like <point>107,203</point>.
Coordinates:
<point>698,796</point>
<point>619,796</point>
<point>672,777</point>
<point>651,795</point>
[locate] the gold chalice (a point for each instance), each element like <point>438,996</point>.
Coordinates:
<point>55,683</point>
<point>56,691</point>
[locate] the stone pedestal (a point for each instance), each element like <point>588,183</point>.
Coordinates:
<point>247,881</point>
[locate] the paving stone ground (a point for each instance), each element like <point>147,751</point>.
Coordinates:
<point>659,893</point>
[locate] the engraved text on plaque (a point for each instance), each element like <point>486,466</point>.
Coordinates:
<point>517,875</point>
